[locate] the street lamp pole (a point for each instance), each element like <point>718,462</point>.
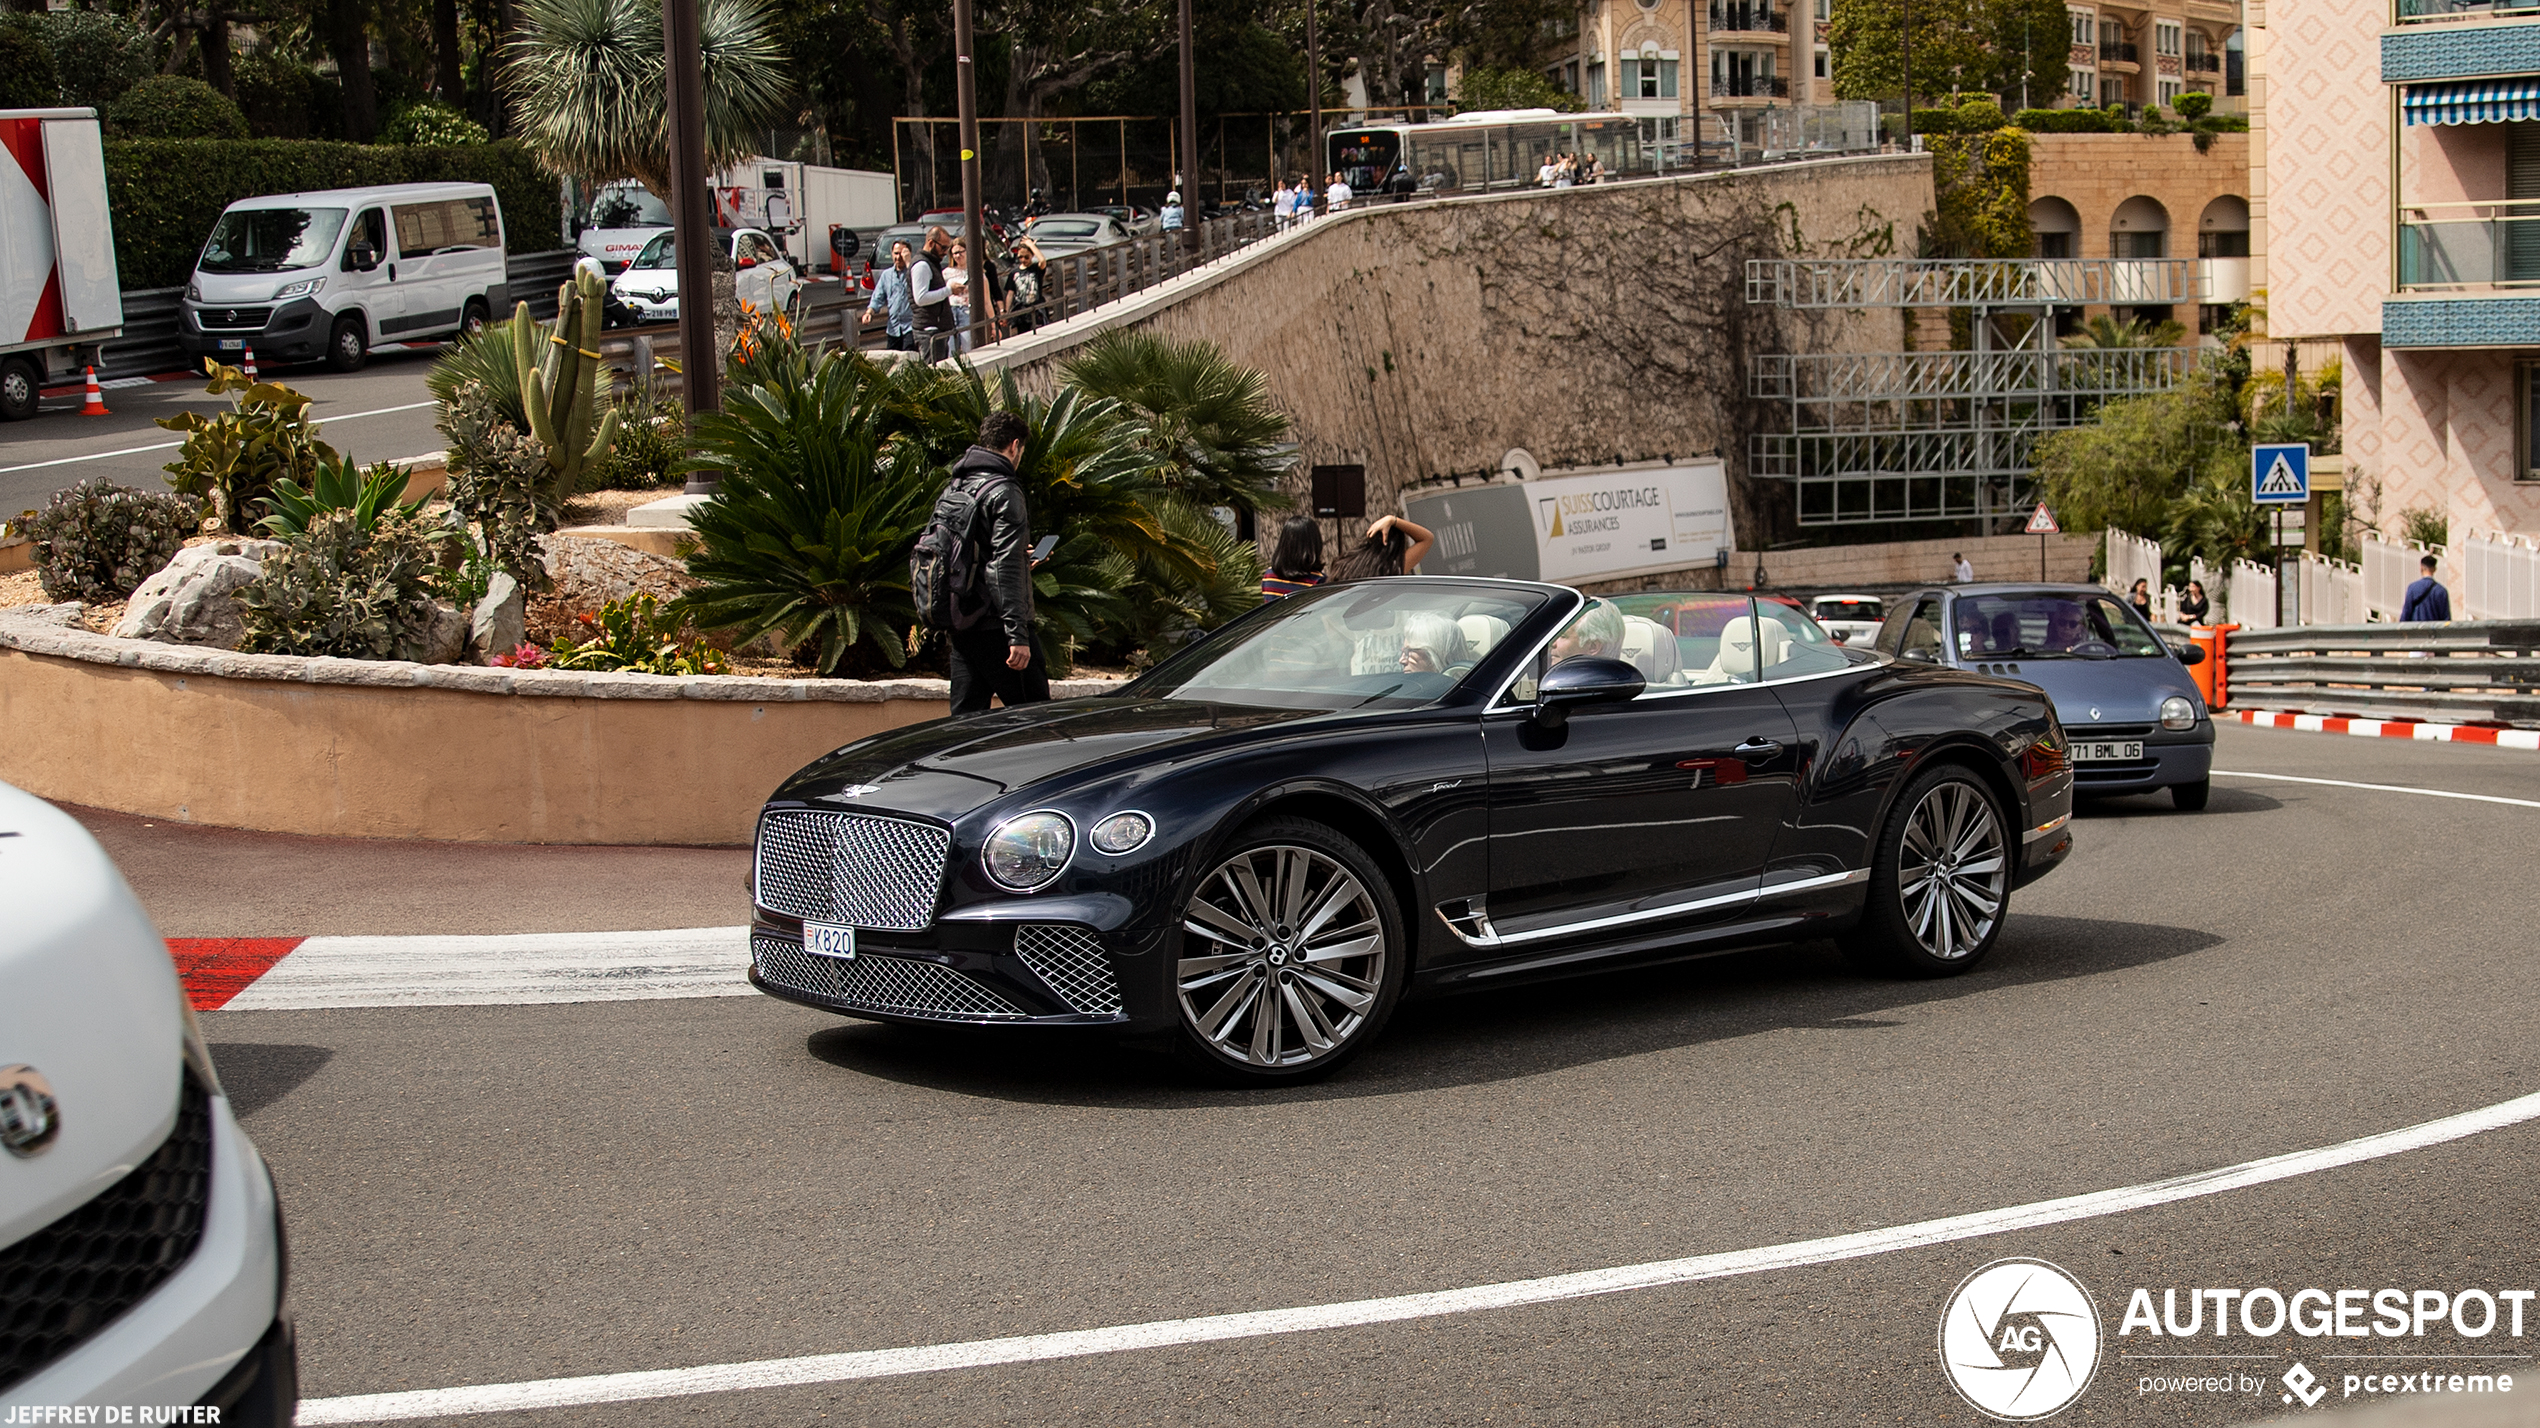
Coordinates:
<point>1190,135</point>
<point>1313,167</point>
<point>691,213</point>
<point>974,238</point>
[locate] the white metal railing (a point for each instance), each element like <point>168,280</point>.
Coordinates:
<point>2249,596</point>
<point>2391,566</point>
<point>2132,558</point>
<point>2500,577</point>
<point>2332,591</point>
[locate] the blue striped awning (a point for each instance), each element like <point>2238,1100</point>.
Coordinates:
<point>2472,101</point>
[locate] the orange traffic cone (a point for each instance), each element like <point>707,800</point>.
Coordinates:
<point>251,364</point>
<point>95,403</point>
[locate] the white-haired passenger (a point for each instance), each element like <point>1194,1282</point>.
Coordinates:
<point>1433,644</point>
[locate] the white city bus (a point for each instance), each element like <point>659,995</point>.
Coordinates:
<point>1489,150</point>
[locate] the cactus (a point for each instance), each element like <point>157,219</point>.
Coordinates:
<point>561,378</point>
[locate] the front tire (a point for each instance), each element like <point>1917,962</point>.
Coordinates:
<point>347,347</point>
<point>2190,797</point>
<point>1292,956</point>
<point>1940,879</point>
<point>20,389</point>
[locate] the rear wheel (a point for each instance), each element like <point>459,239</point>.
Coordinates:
<point>1291,959</point>
<point>1940,881</point>
<point>347,347</point>
<point>473,320</point>
<point>2190,797</point>
<point>20,389</point>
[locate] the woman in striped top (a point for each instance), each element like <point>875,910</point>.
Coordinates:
<point>1296,563</point>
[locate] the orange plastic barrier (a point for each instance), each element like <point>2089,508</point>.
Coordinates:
<point>2211,679</point>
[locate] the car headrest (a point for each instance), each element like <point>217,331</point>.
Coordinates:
<point>1642,640</point>
<point>1751,646</point>
<point>1482,633</point>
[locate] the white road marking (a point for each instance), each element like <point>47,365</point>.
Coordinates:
<point>172,445</point>
<point>934,1358</point>
<point>504,971</point>
<point>2384,788</point>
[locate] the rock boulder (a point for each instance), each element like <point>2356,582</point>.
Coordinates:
<point>500,622</point>
<point>194,600</point>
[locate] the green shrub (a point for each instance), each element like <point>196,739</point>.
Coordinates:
<point>1935,121</point>
<point>431,123</point>
<point>1979,116</point>
<point>235,458</point>
<point>279,96</point>
<point>2070,121</point>
<point>2194,105</point>
<point>170,106</point>
<point>499,483</point>
<point>97,55</point>
<point>648,453</point>
<point>635,635</point>
<point>339,485</point>
<point>167,192</point>
<point>342,589</point>
<point>98,541</point>
<point>26,69</point>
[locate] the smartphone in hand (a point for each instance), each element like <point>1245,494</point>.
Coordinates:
<point>1041,551</point>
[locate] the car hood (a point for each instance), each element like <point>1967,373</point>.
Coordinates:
<point>2120,691</point>
<point>950,767</point>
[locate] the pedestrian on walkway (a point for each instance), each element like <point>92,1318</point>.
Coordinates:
<point>1029,287</point>
<point>1172,216</point>
<point>1393,546</point>
<point>892,302</point>
<point>932,296</point>
<point>1282,206</point>
<point>1337,197</point>
<point>2193,607</point>
<point>2140,597</point>
<point>999,656</point>
<point>2426,600</point>
<point>1296,562</point>
<point>1960,570</point>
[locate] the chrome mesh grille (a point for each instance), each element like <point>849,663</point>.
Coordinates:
<point>871,982</point>
<point>1071,963</point>
<point>851,868</point>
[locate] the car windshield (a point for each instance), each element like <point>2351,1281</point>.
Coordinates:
<point>1388,644</point>
<point>630,207</point>
<point>1078,229</point>
<point>2050,624</point>
<point>271,240</point>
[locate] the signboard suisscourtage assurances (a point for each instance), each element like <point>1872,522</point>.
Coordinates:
<point>1579,526</point>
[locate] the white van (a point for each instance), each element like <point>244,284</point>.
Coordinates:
<point>297,277</point>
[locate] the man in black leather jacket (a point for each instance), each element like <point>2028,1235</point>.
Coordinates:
<point>999,656</point>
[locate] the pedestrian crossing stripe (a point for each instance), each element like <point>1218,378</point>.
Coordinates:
<point>2280,479</point>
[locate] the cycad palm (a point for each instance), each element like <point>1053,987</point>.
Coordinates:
<point>587,85</point>
<point>1210,421</point>
<point>2110,333</point>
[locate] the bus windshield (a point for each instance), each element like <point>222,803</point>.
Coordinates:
<point>1366,159</point>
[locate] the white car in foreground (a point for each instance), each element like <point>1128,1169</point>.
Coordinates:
<point>762,275</point>
<point>141,1254</point>
<point>1851,619</point>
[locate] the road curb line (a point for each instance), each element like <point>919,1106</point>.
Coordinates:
<point>2390,729</point>
<point>520,969</point>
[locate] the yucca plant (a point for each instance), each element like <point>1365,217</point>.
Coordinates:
<point>336,485</point>
<point>487,358</point>
<point>586,85</point>
<point>1210,422</point>
<point>808,536</point>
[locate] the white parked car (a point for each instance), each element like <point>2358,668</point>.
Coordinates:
<point>763,276</point>
<point>141,1254</point>
<point>1060,235</point>
<point>1849,618</point>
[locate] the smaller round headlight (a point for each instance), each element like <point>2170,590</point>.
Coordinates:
<point>1123,832</point>
<point>2178,712</point>
<point>1027,853</point>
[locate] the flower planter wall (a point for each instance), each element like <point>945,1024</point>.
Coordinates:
<point>364,749</point>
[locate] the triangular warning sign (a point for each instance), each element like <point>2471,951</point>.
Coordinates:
<point>2280,479</point>
<point>2042,521</point>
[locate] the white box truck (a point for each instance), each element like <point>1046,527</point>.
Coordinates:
<point>805,205</point>
<point>59,296</point>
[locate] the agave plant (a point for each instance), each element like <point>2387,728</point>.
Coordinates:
<point>1209,421</point>
<point>808,536</point>
<point>337,485</point>
<point>586,82</point>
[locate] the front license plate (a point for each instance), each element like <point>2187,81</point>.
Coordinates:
<point>233,344</point>
<point>2107,753</point>
<point>827,939</point>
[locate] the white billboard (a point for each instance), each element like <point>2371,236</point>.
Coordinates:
<point>1631,521</point>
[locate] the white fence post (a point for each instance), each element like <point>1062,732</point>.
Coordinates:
<point>2132,558</point>
<point>2250,596</point>
<point>2500,577</point>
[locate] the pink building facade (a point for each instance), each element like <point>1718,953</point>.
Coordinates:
<point>2402,215</point>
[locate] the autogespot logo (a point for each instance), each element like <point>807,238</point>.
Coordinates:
<point>2019,1340</point>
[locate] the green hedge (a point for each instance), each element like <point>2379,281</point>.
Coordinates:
<point>167,192</point>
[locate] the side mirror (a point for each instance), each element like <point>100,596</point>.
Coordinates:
<point>2191,655</point>
<point>1586,680</point>
<point>1919,656</point>
<point>362,256</point>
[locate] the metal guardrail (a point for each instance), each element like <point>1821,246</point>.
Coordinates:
<point>1970,282</point>
<point>2476,670</point>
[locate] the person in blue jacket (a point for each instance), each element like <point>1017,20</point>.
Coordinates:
<point>2426,599</point>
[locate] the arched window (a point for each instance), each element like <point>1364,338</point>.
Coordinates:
<point>2139,229</point>
<point>2058,227</point>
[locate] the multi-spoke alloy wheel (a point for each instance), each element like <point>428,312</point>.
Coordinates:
<point>1289,956</point>
<point>1941,879</point>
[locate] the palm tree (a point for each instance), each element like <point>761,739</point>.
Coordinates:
<point>2109,333</point>
<point>587,83</point>
<point>1209,421</point>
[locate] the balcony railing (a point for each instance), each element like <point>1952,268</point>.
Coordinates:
<point>2458,246</point>
<point>1751,19</point>
<point>2111,52</point>
<point>2207,63</point>
<point>2413,12</point>
<point>1754,86</point>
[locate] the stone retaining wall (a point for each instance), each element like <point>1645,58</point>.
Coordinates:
<point>382,749</point>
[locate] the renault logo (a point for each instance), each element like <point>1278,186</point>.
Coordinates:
<point>29,1120</point>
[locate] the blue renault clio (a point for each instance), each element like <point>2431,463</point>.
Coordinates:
<point>2126,702</point>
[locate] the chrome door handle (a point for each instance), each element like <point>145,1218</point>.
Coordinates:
<point>1757,749</point>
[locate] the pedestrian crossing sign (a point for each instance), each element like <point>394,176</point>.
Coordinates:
<point>2280,475</point>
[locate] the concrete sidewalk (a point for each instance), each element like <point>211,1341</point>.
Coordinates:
<point>219,882</point>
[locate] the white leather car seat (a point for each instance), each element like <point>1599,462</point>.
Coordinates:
<point>1747,649</point>
<point>1651,647</point>
<point>1482,634</point>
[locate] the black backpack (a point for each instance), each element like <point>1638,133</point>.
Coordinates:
<point>944,570</point>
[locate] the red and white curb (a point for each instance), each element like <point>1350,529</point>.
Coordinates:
<point>300,973</point>
<point>2391,729</point>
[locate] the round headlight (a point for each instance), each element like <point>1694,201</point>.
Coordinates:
<point>1027,853</point>
<point>1123,832</point>
<point>2178,712</point>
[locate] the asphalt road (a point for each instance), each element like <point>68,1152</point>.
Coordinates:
<point>380,413</point>
<point>503,1194</point>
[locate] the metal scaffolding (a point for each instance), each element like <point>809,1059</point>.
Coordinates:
<point>1906,436</point>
